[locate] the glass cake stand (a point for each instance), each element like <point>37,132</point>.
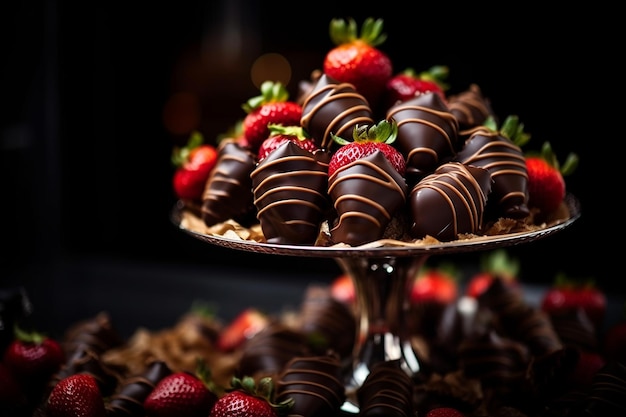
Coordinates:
<point>382,277</point>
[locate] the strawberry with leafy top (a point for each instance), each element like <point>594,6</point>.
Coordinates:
<point>408,84</point>
<point>33,358</point>
<point>193,163</point>
<point>437,285</point>
<point>245,325</point>
<point>247,399</point>
<point>546,183</point>
<point>77,395</point>
<point>271,106</point>
<point>356,58</point>
<point>496,264</point>
<point>367,140</point>
<point>280,134</point>
<point>181,394</point>
<point>567,295</point>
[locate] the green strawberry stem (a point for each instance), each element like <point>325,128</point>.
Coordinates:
<point>437,74</point>
<point>342,31</point>
<point>180,155</point>
<point>568,167</point>
<point>499,262</point>
<point>297,131</point>
<point>384,132</point>
<point>271,92</point>
<point>28,337</point>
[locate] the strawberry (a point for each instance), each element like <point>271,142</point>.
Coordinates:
<point>567,295</point>
<point>193,163</point>
<point>272,106</point>
<point>495,264</point>
<point>546,185</point>
<point>77,395</point>
<point>342,289</point>
<point>356,59</point>
<point>444,412</point>
<point>367,140</point>
<point>280,134</point>
<point>180,394</point>
<point>438,285</point>
<point>245,325</point>
<point>246,399</point>
<point>33,358</point>
<point>408,84</point>
<point>587,365</point>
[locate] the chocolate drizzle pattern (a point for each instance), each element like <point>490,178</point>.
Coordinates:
<point>506,163</point>
<point>315,385</point>
<point>427,133</point>
<point>387,391</point>
<point>449,202</point>
<point>228,191</point>
<point>366,194</point>
<point>128,400</point>
<point>334,108</point>
<point>471,108</point>
<point>289,188</point>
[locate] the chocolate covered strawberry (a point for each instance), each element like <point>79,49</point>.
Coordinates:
<point>546,184</point>
<point>280,134</point>
<point>496,264</point>
<point>408,84</point>
<point>247,399</point>
<point>271,106</point>
<point>76,395</point>
<point>356,58</point>
<point>244,326</point>
<point>366,184</point>
<point>193,163</point>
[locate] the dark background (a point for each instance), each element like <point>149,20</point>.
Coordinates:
<point>84,151</point>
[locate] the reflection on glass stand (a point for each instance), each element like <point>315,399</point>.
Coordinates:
<point>382,278</point>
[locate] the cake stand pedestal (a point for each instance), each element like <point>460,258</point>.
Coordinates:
<point>382,277</point>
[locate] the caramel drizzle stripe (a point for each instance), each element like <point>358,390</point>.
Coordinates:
<point>363,200</point>
<point>293,202</point>
<point>432,125</point>
<point>422,150</point>
<point>290,392</point>
<point>350,124</point>
<point>389,183</point>
<point>291,158</point>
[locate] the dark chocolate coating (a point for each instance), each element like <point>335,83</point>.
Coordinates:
<point>228,191</point>
<point>289,188</point>
<point>128,400</point>
<point>267,352</point>
<point>335,108</point>
<point>449,202</point>
<point>608,391</point>
<point>470,108</point>
<point>328,323</point>
<point>506,163</point>
<point>427,134</point>
<point>366,194</point>
<point>97,334</point>
<point>315,385</point>
<point>387,391</point>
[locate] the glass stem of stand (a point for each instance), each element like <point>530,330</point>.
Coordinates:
<point>382,287</point>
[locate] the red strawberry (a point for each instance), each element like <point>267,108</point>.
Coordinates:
<point>77,395</point>
<point>194,163</point>
<point>546,185</point>
<point>444,412</point>
<point>588,364</point>
<point>280,134</point>
<point>495,264</point>
<point>246,399</point>
<point>408,84</point>
<point>33,357</point>
<point>367,140</point>
<point>567,295</point>
<point>342,289</point>
<point>180,394</point>
<point>356,59</point>
<point>247,323</point>
<point>272,106</point>
<point>438,285</point>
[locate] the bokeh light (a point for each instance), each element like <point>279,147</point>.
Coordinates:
<point>270,67</point>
